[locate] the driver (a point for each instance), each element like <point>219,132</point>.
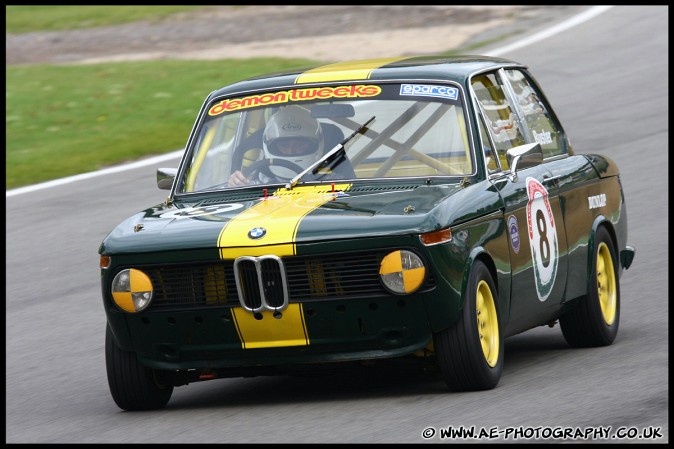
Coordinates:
<point>291,135</point>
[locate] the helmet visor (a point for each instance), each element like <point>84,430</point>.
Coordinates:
<point>292,146</point>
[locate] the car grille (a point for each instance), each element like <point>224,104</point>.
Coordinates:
<point>261,283</point>
<point>338,276</point>
<point>194,285</point>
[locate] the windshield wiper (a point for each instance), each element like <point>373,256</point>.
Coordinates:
<point>327,157</point>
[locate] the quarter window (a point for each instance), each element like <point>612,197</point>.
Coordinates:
<point>489,153</point>
<point>500,115</point>
<point>540,126</point>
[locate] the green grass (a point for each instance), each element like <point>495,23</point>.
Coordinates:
<point>70,119</point>
<point>23,19</point>
<point>62,120</point>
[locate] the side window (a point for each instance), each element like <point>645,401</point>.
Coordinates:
<point>489,153</point>
<point>500,115</point>
<point>540,126</point>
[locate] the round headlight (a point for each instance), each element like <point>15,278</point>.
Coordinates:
<point>402,272</point>
<point>132,290</point>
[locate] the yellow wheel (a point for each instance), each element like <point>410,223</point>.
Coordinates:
<point>487,323</point>
<point>594,320</point>
<point>606,284</point>
<point>470,353</point>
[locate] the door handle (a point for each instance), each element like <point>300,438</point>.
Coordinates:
<point>551,180</point>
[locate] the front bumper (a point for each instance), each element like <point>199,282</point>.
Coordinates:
<point>322,331</point>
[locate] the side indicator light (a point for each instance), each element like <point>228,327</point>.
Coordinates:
<point>436,237</point>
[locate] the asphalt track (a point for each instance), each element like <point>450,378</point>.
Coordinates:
<point>608,81</point>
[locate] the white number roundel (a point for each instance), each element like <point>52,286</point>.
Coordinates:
<point>191,212</point>
<point>542,238</point>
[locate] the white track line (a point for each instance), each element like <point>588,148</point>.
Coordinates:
<point>563,26</point>
<point>93,174</point>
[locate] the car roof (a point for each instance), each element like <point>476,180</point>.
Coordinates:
<point>450,68</point>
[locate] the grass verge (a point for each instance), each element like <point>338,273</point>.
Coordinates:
<point>69,119</point>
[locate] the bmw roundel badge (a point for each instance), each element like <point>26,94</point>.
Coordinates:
<point>257,233</point>
<point>514,233</point>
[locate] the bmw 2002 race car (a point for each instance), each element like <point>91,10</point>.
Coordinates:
<point>420,207</point>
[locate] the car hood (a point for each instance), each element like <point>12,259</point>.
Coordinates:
<point>301,215</point>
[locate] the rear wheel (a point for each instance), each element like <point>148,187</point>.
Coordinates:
<point>470,353</point>
<point>594,321</point>
<point>132,385</point>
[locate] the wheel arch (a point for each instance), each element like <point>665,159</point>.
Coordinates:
<point>600,221</point>
<point>479,254</point>
<point>482,255</point>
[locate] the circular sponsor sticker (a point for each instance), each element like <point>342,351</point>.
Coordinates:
<point>514,233</point>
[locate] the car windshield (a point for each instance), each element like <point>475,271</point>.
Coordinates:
<point>268,138</point>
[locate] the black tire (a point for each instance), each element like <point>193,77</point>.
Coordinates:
<point>470,353</point>
<point>132,385</point>
<point>595,319</point>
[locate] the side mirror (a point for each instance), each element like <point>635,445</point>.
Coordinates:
<point>165,177</point>
<point>524,156</point>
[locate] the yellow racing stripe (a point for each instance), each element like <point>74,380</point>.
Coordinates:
<point>280,215</point>
<point>344,71</point>
<point>270,332</point>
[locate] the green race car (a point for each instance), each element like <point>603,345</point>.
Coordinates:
<point>422,208</point>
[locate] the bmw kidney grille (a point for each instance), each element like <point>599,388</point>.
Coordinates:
<point>261,283</point>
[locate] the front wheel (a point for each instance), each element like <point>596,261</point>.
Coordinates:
<point>594,321</point>
<point>132,385</point>
<point>470,353</point>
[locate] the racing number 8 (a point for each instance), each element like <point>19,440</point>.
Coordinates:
<point>542,238</point>
<point>544,243</point>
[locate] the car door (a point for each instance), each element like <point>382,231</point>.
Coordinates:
<point>532,211</point>
<point>572,175</point>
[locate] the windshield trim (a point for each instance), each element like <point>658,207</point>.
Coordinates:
<point>190,147</point>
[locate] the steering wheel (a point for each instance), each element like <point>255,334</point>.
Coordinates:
<point>262,166</point>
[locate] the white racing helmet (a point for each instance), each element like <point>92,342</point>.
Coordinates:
<point>292,123</point>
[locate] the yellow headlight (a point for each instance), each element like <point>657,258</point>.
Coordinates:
<point>402,272</point>
<point>132,290</point>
